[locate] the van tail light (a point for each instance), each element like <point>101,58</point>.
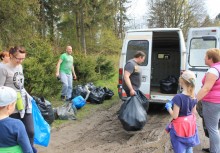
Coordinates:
<point>120,75</point>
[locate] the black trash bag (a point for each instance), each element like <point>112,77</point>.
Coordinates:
<point>169,85</point>
<point>46,109</point>
<point>108,93</point>
<point>145,101</point>
<point>97,96</point>
<point>67,112</point>
<point>132,114</point>
<point>91,86</point>
<point>79,90</point>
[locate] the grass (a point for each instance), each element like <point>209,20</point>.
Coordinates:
<point>88,109</point>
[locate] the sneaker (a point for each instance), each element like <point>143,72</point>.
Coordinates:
<point>205,150</point>
<point>63,97</point>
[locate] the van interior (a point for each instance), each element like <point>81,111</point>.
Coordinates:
<point>165,61</point>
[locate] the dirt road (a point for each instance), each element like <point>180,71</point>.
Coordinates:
<point>103,133</point>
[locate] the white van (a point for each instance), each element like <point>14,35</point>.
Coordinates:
<point>198,42</point>
<point>166,56</point>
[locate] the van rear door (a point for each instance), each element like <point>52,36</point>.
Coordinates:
<point>135,41</point>
<point>199,41</point>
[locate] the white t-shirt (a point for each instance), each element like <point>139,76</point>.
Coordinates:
<point>213,71</point>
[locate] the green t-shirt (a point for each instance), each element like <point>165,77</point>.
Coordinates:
<point>67,63</point>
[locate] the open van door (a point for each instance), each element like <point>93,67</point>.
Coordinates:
<point>199,41</point>
<point>133,42</point>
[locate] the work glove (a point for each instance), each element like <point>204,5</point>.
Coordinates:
<point>169,105</point>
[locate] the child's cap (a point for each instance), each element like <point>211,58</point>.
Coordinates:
<point>189,76</point>
<point>7,96</point>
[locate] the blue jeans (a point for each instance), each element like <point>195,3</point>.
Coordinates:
<point>67,81</point>
<point>189,150</point>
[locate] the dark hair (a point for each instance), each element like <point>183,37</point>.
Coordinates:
<point>17,49</point>
<point>3,54</point>
<point>139,54</point>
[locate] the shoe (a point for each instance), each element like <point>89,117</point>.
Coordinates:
<point>63,97</point>
<point>205,149</point>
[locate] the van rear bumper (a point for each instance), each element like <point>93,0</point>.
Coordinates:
<point>158,101</point>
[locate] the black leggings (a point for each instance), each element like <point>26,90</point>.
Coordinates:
<point>28,123</point>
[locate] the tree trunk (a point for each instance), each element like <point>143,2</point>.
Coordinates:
<point>83,40</point>
<point>77,26</point>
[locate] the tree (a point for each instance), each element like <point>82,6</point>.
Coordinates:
<point>17,21</point>
<point>176,14</point>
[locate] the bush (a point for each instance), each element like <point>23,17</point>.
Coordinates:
<point>39,69</point>
<point>105,67</point>
<point>85,68</point>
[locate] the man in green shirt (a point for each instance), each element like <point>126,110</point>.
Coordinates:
<point>65,71</point>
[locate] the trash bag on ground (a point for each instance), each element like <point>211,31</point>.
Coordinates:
<point>78,102</point>
<point>66,111</point>
<point>97,96</point>
<point>45,108</point>
<point>169,85</point>
<point>144,101</point>
<point>108,93</point>
<point>80,90</point>
<point>90,86</point>
<point>132,114</point>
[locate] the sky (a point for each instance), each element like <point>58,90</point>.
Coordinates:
<point>138,8</point>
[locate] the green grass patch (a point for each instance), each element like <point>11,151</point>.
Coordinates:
<point>90,109</point>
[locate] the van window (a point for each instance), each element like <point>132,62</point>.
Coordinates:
<point>197,50</point>
<point>137,45</point>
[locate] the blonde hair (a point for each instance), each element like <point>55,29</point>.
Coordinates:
<point>190,88</point>
<point>214,54</point>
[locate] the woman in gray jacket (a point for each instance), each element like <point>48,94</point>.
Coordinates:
<point>12,76</point>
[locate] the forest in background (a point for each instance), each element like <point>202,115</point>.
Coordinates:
<point>94,28</point>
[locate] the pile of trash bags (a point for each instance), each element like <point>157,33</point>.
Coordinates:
<point>92,94</point>
<point>133,112</point>
<point>80,96</point>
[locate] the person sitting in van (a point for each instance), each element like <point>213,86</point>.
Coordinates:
<point>132,74</point>
<point>13,137</point>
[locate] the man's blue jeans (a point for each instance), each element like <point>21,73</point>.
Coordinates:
<point>67,81</point>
